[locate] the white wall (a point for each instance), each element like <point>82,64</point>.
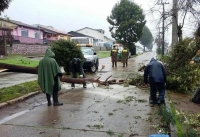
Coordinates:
<point>93,33</point>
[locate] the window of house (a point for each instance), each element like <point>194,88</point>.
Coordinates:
<point>37,35</point>
<point>61,37</point>
<point>24,33</point>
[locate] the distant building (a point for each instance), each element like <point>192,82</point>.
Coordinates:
<point>25,33</point>
<point>79,38</point>
<point>50,34</point>
<point>98,34</point>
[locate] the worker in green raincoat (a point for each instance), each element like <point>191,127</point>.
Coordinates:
<point>49,75</point>
<point>125,54</point>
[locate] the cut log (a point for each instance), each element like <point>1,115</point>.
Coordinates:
<point>91,80</point>
<point>22,69</point>
<point>80,80</point>
<point>32,70</point>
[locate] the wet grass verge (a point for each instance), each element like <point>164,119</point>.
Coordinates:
<point>103,54</point>
<point>166,119</point>
<point>19,60</point>
<point>186,125</point>
<point>12,92</point>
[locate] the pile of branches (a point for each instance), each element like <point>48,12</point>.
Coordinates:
<point>137,80</point>
<point>182,76</point>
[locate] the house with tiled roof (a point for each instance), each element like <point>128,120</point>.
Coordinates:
<point>25,33</point>
<point>51,34</point>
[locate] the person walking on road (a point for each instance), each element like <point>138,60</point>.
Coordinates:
<point>76,68</point>
<point>157,79</point>
<point>113,55</point>
<point>49,75</point>
<point>125,54</point>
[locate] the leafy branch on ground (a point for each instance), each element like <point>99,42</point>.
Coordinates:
<point>110,132</point>
<point>126,100</point>
<point>166,119</point>
<point>137,80</point>
<point>182,76</point>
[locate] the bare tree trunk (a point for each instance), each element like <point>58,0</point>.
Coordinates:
<point>21,69</point>
<point>33,70</point>
<point>79,80</point>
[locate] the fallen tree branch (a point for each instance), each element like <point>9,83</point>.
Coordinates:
<point>32,70</point>
<point>80,80</point>
<point>22,69</point>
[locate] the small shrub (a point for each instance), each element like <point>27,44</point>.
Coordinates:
<point>65,51</point>
<point>190,133</point>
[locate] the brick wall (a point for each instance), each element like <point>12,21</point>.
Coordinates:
<point>24,49</point>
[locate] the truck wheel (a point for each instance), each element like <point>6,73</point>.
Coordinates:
<point>93,68</point>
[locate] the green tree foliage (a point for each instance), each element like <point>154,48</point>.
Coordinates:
<point>127,21</point>
<point>147,38</point>
<point>159,50</point>
<point>4,5</point>
<point>182,76</point>
<point>65,51</point>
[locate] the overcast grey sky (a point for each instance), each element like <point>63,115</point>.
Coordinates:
<point>69,15</point>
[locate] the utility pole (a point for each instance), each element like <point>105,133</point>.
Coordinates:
<point>163,27</point>
<point>174,23</point>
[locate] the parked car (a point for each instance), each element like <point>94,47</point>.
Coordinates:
<point>91,61</point>
<point>139,51</point>
<point>119,55</point>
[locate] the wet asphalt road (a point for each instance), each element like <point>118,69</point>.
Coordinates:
<point>91,112</point>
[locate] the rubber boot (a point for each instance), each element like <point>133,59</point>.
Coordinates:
<point>84,85</point>
<point>55,99</point>
<point>48,99</point>
<point>72,85</point>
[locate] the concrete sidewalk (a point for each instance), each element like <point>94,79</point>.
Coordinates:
<point>92,112</point>
<point>99,112</point>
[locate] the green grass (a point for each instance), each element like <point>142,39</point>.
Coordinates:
<point>19,60</point>
<point>178,124</point>
<point>103,54</point>
<point>19,90</point>
<point>111,133</point>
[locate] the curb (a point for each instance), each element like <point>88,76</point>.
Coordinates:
<point>173,129</point>
<point>10,102</point>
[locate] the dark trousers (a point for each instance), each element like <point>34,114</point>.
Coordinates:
<point>125,63</point>
<point>55,93</point>
<point>114,63</point>
<point>74,75</point>
<point>160,86</point>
